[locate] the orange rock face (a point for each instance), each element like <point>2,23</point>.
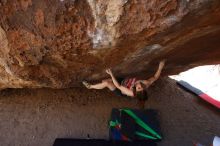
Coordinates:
<point>59,43</point>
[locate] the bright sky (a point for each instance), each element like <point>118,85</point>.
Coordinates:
<point>205,78</point>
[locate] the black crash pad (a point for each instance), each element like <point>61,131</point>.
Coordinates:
<point>129,126</point>
<point>100,142</point>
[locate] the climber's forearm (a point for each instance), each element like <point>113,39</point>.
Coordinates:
<point>115,82</point>
<point>157,74</point>
<point>149,81</point>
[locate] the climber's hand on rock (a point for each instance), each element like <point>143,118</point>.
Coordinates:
<point>108,71</point>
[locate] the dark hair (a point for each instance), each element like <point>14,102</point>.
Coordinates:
<point>141,95</point>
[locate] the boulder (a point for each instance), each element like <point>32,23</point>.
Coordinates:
<point>59,43</point>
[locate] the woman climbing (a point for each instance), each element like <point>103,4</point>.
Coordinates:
<point>128,86</point>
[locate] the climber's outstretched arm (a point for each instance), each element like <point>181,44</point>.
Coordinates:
<point>123,89</point>
<point>151,80</point>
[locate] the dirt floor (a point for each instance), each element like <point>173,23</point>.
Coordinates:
<point>33,117</point>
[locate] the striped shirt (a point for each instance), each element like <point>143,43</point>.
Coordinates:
<point>129,82</point>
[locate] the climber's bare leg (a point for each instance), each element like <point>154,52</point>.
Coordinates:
<point>105,83</point>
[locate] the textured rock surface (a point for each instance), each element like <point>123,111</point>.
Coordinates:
<point>58,43</point>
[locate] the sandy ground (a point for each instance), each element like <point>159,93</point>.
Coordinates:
<point>33,117</point>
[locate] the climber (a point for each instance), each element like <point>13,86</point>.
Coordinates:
<point>129,86</point>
